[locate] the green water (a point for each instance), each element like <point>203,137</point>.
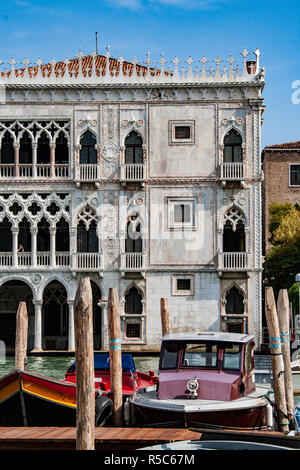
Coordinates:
<point>56,366</point>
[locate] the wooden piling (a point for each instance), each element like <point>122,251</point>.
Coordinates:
<point>21,336</point>
<point>115,355</point>
<point>165,317</point>
<point>283,312</point>
<point>277,360</point>
<point>84,357</point>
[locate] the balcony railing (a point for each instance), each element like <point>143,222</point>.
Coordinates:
<point>25,260</point>
<point>232,171</point>
<point>134,172</point>
<point>40,171</point>
<point>88,261</point>
<point>132,262</point>
<point>87,172</point>
<point>232,261</point>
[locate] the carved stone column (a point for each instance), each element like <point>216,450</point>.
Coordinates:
<point>34,160</point>
<point>17,150</point>
<point>71,333</point>
<point>52,231</point>
<point>37,325</point>
<point>34,231</point>
<point>73,240</point>
<point>15,233</point>
<point>52,160</point>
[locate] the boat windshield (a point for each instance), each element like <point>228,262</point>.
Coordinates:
<point>232,356</point>
<point>200,355</point>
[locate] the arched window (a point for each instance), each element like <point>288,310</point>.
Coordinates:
<point>97,316</point>
<point>234,231</point>
<point>43,236</point>
<point>133,302</point>
<point>232,147</point>
<point>88,152</point>
<point>62,236</point>
<point>24,237</point>
<point>7,149</point>
<point>55,310</point>
<point>61,149</point>
<point>234,302</point>
<point>133,242</point>
<point>5,235</point>
<point>133,148</point>
<point>87,239</point>
<point>25,152</point>
<point>43,149</point>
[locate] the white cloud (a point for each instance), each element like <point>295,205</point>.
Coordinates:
<point>182,4</point>
<point>131,4</point>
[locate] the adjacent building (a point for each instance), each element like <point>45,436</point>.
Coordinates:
<point>281,166</point>
<point>147,179</point>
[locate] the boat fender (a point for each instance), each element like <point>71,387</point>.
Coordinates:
<point>127,412</point>
<point>103,410</point>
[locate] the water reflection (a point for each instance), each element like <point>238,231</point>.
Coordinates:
<point>56,366</point>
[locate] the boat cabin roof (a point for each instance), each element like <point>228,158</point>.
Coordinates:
<point>102,363</point>
<point>206,336</point>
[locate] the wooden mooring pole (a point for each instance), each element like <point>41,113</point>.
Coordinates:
<point>84,357</point>
<point>165,317</point>
<point>283,312</point>
<point>115,355</point>
<point>21,336</point>
<point>277,360</point>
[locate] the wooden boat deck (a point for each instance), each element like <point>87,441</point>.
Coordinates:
<point>51,438</point>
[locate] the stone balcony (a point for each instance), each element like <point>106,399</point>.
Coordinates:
<point>10,171</point>
<point>133,263</point>
<point>133,173</point>
<point>235,171</point>
<point>233,261</point>
<point>87,173</point>
<point>45,260</point>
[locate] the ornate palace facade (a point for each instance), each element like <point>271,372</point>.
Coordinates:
<point>145,179</point>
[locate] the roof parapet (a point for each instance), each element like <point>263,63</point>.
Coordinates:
<point>103,69</point>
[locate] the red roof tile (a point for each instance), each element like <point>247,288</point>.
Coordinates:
<point>287,145</point>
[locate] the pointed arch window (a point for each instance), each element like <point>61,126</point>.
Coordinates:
<point>61,149</point>
<point>62,241</point>
<point>133,242</point>
<point>234,302</point>
<point>233,147</point>
<point>25,152</point>
<point>24,236</point>
<point>234,231</point>
<point>5,235</point>
<point>43,149</point>
<point>7,149</point>
<point>133,148</point>
<point>133,302</point>
<point>88,152</point>
<point>43,235</point>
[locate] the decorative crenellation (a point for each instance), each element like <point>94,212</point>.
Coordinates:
<point>103,69</point>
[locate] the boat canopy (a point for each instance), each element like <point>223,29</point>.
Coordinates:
<point>214,336</point>
<point>101,362</point>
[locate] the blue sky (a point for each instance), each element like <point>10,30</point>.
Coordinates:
<point>34,29</point>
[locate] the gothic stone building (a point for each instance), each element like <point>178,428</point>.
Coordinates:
<point>144,178</point>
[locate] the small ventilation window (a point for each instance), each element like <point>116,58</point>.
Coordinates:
<point>182,132</point>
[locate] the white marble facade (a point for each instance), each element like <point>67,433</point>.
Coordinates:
<point>181,119</point>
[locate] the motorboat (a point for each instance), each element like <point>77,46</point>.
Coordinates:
<point>205,379</point>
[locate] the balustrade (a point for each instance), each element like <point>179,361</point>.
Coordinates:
<point>133,172</point>
<point>232,171</point>
<point>233,261</point>
<point>87,172</point>
<point>88,261</point>
<point>132,261</point>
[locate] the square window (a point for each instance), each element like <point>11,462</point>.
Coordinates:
<point>181,132</point>
<point>133,330</point>
<point>181,214</point>
<point>294,175</point>
<point>183,284</point>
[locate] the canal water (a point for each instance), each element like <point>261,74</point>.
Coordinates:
<point>56,366</point>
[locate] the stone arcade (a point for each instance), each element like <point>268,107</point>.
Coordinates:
<point>146,179</point>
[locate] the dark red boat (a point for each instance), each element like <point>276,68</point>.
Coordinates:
<point>132,379</point>
<point>205,379</point>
